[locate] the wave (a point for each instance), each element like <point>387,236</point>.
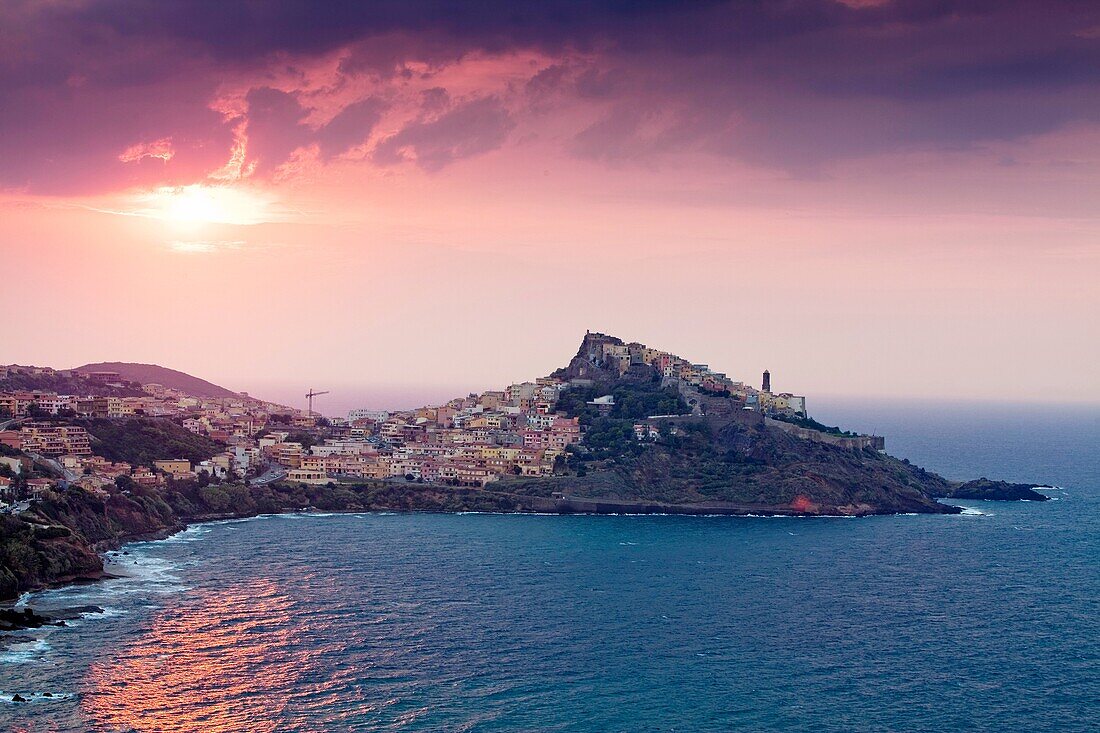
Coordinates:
<point>307,515</point>
<point>22,652</point>
<point>192,534</point>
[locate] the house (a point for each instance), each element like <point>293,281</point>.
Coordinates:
<point>11,438</point>
<point>14,463</point>
<point>37,487</point>
<point>604,404</point>
<point>104,377</point>
<point>212,469</point>
<point>175,467</point>
<point>144,477</point>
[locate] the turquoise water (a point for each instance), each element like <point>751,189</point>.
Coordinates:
<point>980,621</point>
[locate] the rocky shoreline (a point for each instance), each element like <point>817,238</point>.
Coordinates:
<point>428,498</point>
<point>62,538</point>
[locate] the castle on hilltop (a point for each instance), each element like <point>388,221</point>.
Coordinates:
<point>602,356</point>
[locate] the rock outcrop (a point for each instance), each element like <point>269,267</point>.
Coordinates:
<point>987,489</point>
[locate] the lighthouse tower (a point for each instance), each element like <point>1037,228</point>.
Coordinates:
<point>767,386</point>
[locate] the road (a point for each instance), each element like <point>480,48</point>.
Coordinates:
<point>65,473</point>
<point>275,473</point>
<point>5,424</point>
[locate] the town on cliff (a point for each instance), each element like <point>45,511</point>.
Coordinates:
<point>469,441</point>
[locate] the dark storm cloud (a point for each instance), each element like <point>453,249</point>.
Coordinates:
<point>468,129</point>
<point>791,83</point>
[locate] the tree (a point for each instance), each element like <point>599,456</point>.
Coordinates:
<point>35,412</point>
<point>124,482</point>
<point>308,440</point>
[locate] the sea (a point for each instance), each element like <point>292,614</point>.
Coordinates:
<point>984,621</point>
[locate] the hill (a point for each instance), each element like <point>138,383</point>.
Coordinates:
<point>708,450</point>
<point>155,374</point>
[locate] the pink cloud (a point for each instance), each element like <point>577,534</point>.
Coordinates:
<point>158,149</point>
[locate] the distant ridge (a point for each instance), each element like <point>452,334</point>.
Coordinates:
<point>154,374</point>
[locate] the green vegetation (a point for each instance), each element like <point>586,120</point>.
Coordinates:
<point>140,441</point>
<point>633,401</point>
<point>308,440</point>
<point>611,436</point>
<point>809,422</point>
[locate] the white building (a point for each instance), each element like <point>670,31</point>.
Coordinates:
<point>375,415</point>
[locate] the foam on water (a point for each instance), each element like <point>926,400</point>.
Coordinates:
<point>23,652</point>
<point>32,697</point>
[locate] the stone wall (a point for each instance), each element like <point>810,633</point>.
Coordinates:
<point>852,442</point>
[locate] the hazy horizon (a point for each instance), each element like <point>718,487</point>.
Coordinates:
<point>343,397</point>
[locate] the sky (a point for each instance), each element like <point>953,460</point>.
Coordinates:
<point>403,201</point>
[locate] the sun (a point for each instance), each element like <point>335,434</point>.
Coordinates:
<point>198,204</point>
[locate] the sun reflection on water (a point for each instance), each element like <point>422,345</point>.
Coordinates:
<point>223,664</point>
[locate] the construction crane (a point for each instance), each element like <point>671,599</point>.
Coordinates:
<point>309,396</point>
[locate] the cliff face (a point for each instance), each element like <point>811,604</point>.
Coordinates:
<point>752,470</point>
<point>58,539</point>
<point>588,363</point>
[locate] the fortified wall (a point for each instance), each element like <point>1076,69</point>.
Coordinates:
<point>851,442</point>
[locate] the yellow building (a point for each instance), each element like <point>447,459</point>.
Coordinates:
<point>307,476</point>
<point>178,467</point>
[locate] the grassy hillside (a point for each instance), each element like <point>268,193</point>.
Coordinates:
<point>141,441</point>
<point>154,374</point>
